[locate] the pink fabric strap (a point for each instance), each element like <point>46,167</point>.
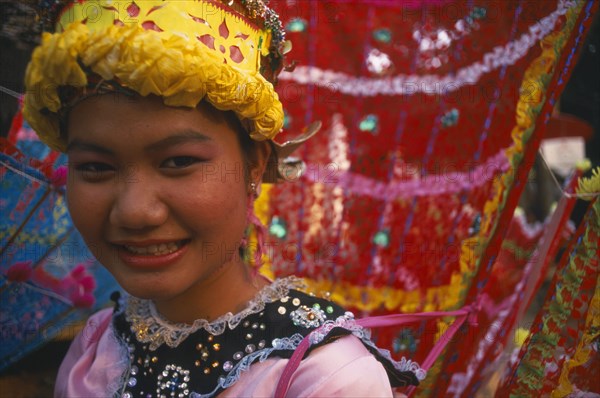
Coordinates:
<point>467,312</point>
<point>291,367</point>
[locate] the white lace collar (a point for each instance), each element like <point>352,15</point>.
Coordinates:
<point>150,327</point>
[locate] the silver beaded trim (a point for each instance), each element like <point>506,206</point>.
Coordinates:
<point>143,316</point>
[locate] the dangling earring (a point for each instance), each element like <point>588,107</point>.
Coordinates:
<point>254,190</point>
<point>259,228</point>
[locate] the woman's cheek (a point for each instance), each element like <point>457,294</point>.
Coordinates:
<point>86,205</point>
<point>209,196</point>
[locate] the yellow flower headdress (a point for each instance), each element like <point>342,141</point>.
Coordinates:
<point>183,51</point>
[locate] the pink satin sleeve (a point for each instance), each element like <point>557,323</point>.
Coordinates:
<point>95,362</point>
<point>343,368</point>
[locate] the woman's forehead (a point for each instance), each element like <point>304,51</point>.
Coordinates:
<point>115,117</point>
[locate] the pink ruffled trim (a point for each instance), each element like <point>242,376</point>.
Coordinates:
<point>446,182</point>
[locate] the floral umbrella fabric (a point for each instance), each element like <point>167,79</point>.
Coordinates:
<point>49,280</point>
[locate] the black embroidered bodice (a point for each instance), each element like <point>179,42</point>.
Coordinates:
<point>203,359</point>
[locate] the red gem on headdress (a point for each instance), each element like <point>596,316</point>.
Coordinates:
<point>198,19</point>
<point>110,8</point>
<point>207,40</point>
<point>150,25</point>
<point>223,30</point>
<point>236,54</point>
<point>118,22</point>
<point>155,8</point>
<point>133,10</point>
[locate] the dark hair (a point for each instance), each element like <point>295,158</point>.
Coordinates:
<point>248,146</point>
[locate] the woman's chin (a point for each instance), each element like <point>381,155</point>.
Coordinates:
<point>153,291</point>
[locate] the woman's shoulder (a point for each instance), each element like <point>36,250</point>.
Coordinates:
<point>96,325</point>
<point>95,360</point>
<point>341,368</point>
<point>326,325</point>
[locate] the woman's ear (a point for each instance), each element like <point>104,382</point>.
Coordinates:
<point>262,154</point>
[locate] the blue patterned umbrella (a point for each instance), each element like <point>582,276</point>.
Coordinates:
<point>49,280</point>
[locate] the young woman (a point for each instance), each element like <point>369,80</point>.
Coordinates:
<point>168,127</point>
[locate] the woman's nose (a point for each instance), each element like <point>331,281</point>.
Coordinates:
<point>138,204</point>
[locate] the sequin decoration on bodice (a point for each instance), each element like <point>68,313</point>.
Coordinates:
<point>203,359</point>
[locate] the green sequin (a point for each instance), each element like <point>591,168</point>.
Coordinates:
<point>278,228</point>
<point>296,25</point>
<point>382,238</point>
<point>369,123</point>
<point>479,12</point>
<point>382,35</point>
<point>450,118</point>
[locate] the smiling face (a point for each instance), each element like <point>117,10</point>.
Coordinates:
<point>160,195</point>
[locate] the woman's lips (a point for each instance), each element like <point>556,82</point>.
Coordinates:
<point>151,255</point>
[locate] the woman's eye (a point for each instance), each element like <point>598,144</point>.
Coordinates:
<point>177,162</point>
<point>93,167</point>
<point>93,170</point>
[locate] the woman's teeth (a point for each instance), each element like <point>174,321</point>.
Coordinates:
<point>156,250</point>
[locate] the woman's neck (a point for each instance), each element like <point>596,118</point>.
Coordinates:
<point>229,289</point>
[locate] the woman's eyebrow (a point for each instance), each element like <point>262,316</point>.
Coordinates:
<point>180,137</point>
<point>184,136</point>
<point>77,145</point>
